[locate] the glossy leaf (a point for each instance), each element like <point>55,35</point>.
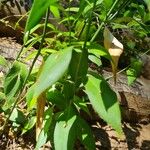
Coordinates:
<point>85,134</point>
<point>95,60</point>
<point>104,101</point>
<point>54,9</point>
<point>65,133</point>
<point>98,50</point>
<point>14,79</point>
<point>53,69</point>
<point>55,97</point>
<point>38,10</point>
<point>78,66</point>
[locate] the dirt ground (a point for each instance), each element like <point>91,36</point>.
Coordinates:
<point>136,137</point>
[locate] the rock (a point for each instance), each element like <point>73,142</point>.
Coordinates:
<point>146,66</point>
<point>9,49</point>
<point>134,99</point>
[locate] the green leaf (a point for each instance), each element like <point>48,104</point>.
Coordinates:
<point>3,61</point>
<point>147,19</point>
<point>80,28</point>
<point>2,96</point>
<point>98,50</point>
<point>85,134</point>
<point>53,69</point>
<point>17,116</point>
<point>134,71</point>
<point>55,97</point>
<point>36,27</point>
<point>141,10</point>
<point>81,104</point>
<point>70,18</point>
<point>131,75</point>
<point>131,44</point>
<point>104,101</point>
<point>65,133</point>
<point>29,124</point>
<point>55,11</point>
<point>95,60</point>
<point>31,103</point>
<point>85,7</point>
<point>148,4</point>
<point>72,9</point>
<point>82,6</point>
<point>8,103</point>
<point>78,66</point>
<point>15,79</point>
<point>108,3</point>
<point>68,90</point>
<point>37,11</point>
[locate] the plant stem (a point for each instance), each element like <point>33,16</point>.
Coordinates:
<point>69,24</point>
<point>30,70</point>
<point>103,22</point>
<point>20,52</point>
<point>82,30</point>
<point>118,72</point>
<point>89,24</point>
<point>120,8</point>
<point>84,50</point>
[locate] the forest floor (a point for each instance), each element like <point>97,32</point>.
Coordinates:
<point>136,137</point>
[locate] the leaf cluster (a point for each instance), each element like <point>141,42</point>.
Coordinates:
<point>63,84</point>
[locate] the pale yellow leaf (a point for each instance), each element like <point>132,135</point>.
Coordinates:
<point>115,49</point>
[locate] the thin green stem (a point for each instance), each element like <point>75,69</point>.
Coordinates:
<point>69,23</point>
<point>103,22</point>
<point>89,24</point>
<point>118,72</point>
<point>120,8</point>
<point>21,18</point>
<point>145,52</point>
<point>112,8</point>
<point>84,52</point>
<point>22,47</point>
<point>20,52</point>
<point>82,30</point>
<point>30,70</point>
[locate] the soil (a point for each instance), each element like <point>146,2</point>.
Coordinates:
<point>136,137</point>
